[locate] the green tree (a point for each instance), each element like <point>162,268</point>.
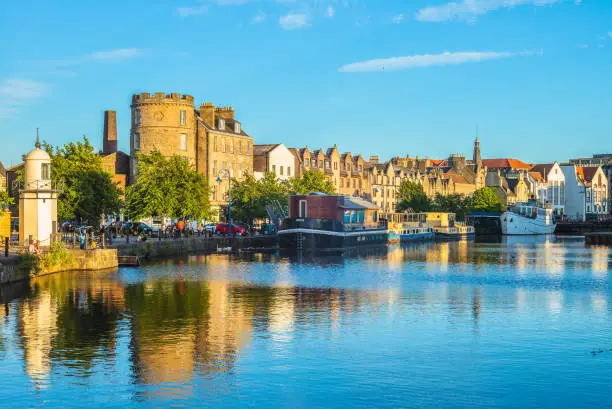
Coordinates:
<point>453,203</point>
<point>486,200</point>
<point>412,196</point>
<point>250,196</point>
<point>167,187</point>
<point>5,199</point>
<point>87,191</point>
<point>311,181</point>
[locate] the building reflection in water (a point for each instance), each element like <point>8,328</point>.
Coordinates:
<point>196,317</point>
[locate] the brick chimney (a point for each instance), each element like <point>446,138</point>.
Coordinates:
<point>109,142</point>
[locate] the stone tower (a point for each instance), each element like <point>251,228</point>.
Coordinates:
<point>477,158</point>
<point>109,141</point>
<point>37,199</point>
<point>163,122</point>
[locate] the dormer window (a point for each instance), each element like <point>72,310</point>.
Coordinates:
<point>221,124</point>
<point>237,127</point>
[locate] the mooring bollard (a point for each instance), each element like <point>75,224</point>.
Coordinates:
<point>6,246</point>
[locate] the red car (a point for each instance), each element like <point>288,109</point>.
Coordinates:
<point>223,228</point>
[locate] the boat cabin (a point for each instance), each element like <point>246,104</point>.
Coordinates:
<point>344,209</point>
<point>439,219</point>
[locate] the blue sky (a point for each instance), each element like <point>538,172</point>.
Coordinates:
<point>376,77</point>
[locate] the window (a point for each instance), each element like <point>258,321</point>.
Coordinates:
<point>321,164</point>
<point>326,164</point>
<point>240,147</point>
<point>281,171</point>
<point>183,142</point>
<point>248,147</point>
<point>221,124</point>
<point>137,116</point>
<point>231,146</point>
<point>274,169</point>
<point>335,165</point>
<point>306,163</point>
<point>214,168</point>
<point>215,143</point>
<point>137,141</point>
<point>223,145</point>
<point>45,171</point>
<point>314,163</point>
<point>288,170</point>
<point>213,192</point>
<point>341,182</point>
<point>303,212</point>
<point>237,127</point>
<point>183,117</point>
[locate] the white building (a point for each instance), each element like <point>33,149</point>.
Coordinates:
<point>596,200</point>
<point>575,199</point>
<point>273,158</point>
<point>550,190</point>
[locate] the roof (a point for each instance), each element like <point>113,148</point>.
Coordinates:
<point>351,202</point>
<point>457,178</point>
<point>542,169</point>
<point>505,163</point>
<point>537,176</point>
<point>588,172</point>
<point>263,149</point>
<point>512,184</point>
<point>2,169</point>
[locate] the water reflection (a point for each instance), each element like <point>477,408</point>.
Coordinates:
<point>182,324</point>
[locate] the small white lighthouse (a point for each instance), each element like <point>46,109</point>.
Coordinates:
<point>37,199</point>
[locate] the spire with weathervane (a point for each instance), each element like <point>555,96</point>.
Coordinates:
<point>477,159</point>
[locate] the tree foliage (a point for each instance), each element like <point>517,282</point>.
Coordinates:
<point>5,199</point>
<point>311,181</point>
<point>486,200</point>
<point>167,187</point>
<point>453,203</point>
<point>250,196</point>
<point>411,195</point>
<point>87,191</point>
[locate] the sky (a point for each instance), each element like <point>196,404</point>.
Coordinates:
<point>531,78</point>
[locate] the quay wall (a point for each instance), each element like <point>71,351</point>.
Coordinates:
<point>154,248</point>
<point>598,239</point>
<point>22,268</point>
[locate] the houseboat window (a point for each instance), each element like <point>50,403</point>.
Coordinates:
<point>303,208</point>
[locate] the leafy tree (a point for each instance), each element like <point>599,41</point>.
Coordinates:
<point>250,196</point>
<point>311,181</point>
<point>5,199</point>
<point>167,187</point>
<point>453,203</point>
<point>412,196</point>
<point>486,200</point>
<point>87,191</point>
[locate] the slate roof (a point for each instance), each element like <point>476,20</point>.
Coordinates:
<point>542,169</point>
<point>264,148</point>
<point>588,173</point>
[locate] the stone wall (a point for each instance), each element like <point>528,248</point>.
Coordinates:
<point>154,248</point>
<point>20,268</point>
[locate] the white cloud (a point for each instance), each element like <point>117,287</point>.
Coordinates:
<point>398,18</point>
<point>15,92</point>
<point>259,17</point>
<point>118,54</point>
<point>330,12</point>
<point>470,9</point>
<point>191,11</point>
<point>428,60</point>
<point>294,21</point>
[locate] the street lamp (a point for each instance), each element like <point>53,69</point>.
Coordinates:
<point>222,174</point>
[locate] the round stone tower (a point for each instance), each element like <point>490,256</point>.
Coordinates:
<point>163,122</point>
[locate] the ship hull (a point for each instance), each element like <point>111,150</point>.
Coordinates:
<point>513,224</point>
<point>322,241</point>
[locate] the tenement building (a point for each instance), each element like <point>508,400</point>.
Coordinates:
<point>209,137</point>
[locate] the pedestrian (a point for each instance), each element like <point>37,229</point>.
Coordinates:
<point>82,240</point>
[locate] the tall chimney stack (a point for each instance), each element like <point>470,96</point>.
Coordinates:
<point>109,143</point>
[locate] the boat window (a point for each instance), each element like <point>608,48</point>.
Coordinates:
<point>303,212</point>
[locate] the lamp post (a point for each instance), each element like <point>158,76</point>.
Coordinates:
<point>227,173</point>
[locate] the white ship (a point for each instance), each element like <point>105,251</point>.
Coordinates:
<point>526,219</point>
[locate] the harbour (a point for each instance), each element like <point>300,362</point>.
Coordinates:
<point>268,329</point>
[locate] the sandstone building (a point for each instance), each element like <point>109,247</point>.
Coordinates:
<point>209,137</point>
<point>114,161</point>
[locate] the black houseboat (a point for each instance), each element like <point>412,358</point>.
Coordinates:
<point>325,223</point>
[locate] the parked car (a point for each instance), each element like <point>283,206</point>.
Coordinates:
<point>223,228</point>
<point>210,227</point>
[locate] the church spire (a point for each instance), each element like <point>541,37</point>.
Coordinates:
<point>477,159</point>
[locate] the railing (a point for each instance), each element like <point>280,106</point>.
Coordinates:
<point>39,185</point>
<point>329,225</point>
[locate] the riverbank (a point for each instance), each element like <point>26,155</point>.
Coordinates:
<point>159,248</point>
<point>24,267</point>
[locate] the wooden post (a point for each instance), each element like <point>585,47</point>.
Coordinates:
<point>6,246</point>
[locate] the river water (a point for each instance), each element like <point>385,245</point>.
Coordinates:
<point>522,323</point>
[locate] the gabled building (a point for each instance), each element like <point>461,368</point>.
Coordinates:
<point>575,191</point>
<point>596,190</point>
<point>551,189</point>
<point>273,158</point>
<point>605,161</point>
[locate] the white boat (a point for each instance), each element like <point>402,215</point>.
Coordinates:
<point>527,219</point>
